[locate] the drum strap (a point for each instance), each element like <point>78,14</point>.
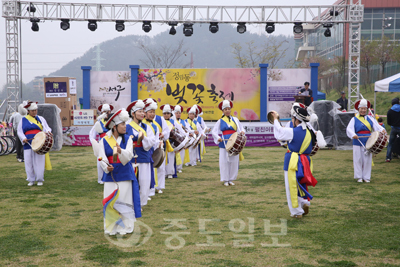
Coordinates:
<point>138,127</point>
<point>34,121</point>
<point>192,125</point>
<point>293,164</point>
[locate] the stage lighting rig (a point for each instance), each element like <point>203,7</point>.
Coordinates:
<point>241,28</point>
<point>119,25</point>
<point>270,27</point>
<point>92,25</point>
<point>297,28</point>
<point>188,29</point>
<point>35,25</point>
<point>146,27</point>
<point>213,27</point>
<point>64,24</point>
<point>31,8</point>
<point>172,31</point>
<point>327,32</point>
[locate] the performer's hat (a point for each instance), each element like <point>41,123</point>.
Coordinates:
<point>31,105</point>
<point>167,108</point>
<point>298,105</point>
<point>105,107</point>
<point>118,117</point>
<point>199,109</point>
<point>135,106</point>
<point>150,106</point>
<point>362,103</point>
<point>192,110</point>
<point>21,109</point>
<point>225,104</point>
<point>301,114</point>
<point>178,108</point>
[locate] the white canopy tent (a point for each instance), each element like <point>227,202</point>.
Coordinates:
<point>390,84</point>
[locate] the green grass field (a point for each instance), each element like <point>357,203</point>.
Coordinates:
<point>61,223</point>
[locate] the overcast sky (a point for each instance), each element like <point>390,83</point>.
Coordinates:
<point>49,49</point>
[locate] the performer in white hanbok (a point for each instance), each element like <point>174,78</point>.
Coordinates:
<point>226,126</point>
<point>121,201</point>
<point>164,135</point>
<point>178,113</point>
<point>172,158</point>
<point>29,126</point>
<point>360,126</point>
<point>297,163</point>
<point>100,129</point>
<point>143,144</point>
<point>150,113</point>
<point>194,127</point>
<point>205,129</point>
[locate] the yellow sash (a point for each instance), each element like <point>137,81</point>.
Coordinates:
<point>192,124</point>
<point>234,126</point>
<point>138,128</point>
<point>187,156</point>
<point>364,121</point>
<point>111,141</point>
<point>294,159</point>
<point>47,162</point>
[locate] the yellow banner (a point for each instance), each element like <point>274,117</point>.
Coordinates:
<point>204,87</point>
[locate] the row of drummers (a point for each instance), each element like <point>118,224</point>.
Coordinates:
<point>160,145</point>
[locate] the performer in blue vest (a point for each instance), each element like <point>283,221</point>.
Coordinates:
<point>178,113</point>
<point>206,130</point>
<point>143,138</point>
<point>297,164</point>
<point>227,125</point>
<point>29,126</point>
<point>100,129</point>
<point>119,174</point>
<point>194,128</point>
<point>360,126</point>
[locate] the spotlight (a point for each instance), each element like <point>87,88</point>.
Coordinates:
<point>327,32</point>
<point>188,29</point>
<point>333,14</point>
<point>35,25</point>
<point>31,8</point>
<point>146,27</point>
<point>270,27</point>
<point>64,25</point>
<point>213,27</point>
<point>119,25</point>
<point>92,25</point>
<point>172,31</point>
<point>241,28</point>
<point>297,28</point>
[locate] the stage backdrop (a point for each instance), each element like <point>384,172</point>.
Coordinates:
<point>205,87</point>
<point>283,84</point>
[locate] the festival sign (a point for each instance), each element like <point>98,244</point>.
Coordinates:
<point>204,87</point>
<point>110,87</point>
<point>283,85</point>
<point>56,89</point>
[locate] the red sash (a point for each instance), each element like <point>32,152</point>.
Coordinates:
<point>32,132</point>
<point>110,160</point>
<point>228,132</point>
<point>102,135</point>
<point>308,178</point>
<point>136,144</point>
<point>364,132</point>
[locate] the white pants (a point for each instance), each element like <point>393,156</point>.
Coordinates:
<point>99,172</point>
<point>193,156</point>
<point>228,166</point>
<point>34,166</point>
<point>125,197</point>
<point>180,166</point>
<point>362,163</point>
<point>294,211</point>
<point>161,176</point>
<point>144,182</point>
<point>170,168</point>
<point>152,192</point>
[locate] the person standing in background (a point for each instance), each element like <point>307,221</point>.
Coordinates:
<point>16,119</point>
<point>393,120</point>
<point>342,101</point>
<point>306,91</point>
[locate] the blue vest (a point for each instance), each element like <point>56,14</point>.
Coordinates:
<point>28,126</point>
<point>298,137</point>
<point>120,172</point>
<point>183,122</point>
<point>143,155</point>
<point>225,127</point>
<point>359,126</point>
<point>158,119</point>
<point>172,121</point>
<point>105,130</point>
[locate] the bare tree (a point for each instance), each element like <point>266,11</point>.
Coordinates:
<point>386,52</point>
<point>368,58</point>
<point>162,55</point>
<point>270,52</point>
<point>324,69</point>
<point>339,64</point>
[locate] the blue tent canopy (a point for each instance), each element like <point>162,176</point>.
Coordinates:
<point>390,84</point>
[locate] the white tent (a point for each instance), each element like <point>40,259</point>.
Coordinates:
<point>390,84</point>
